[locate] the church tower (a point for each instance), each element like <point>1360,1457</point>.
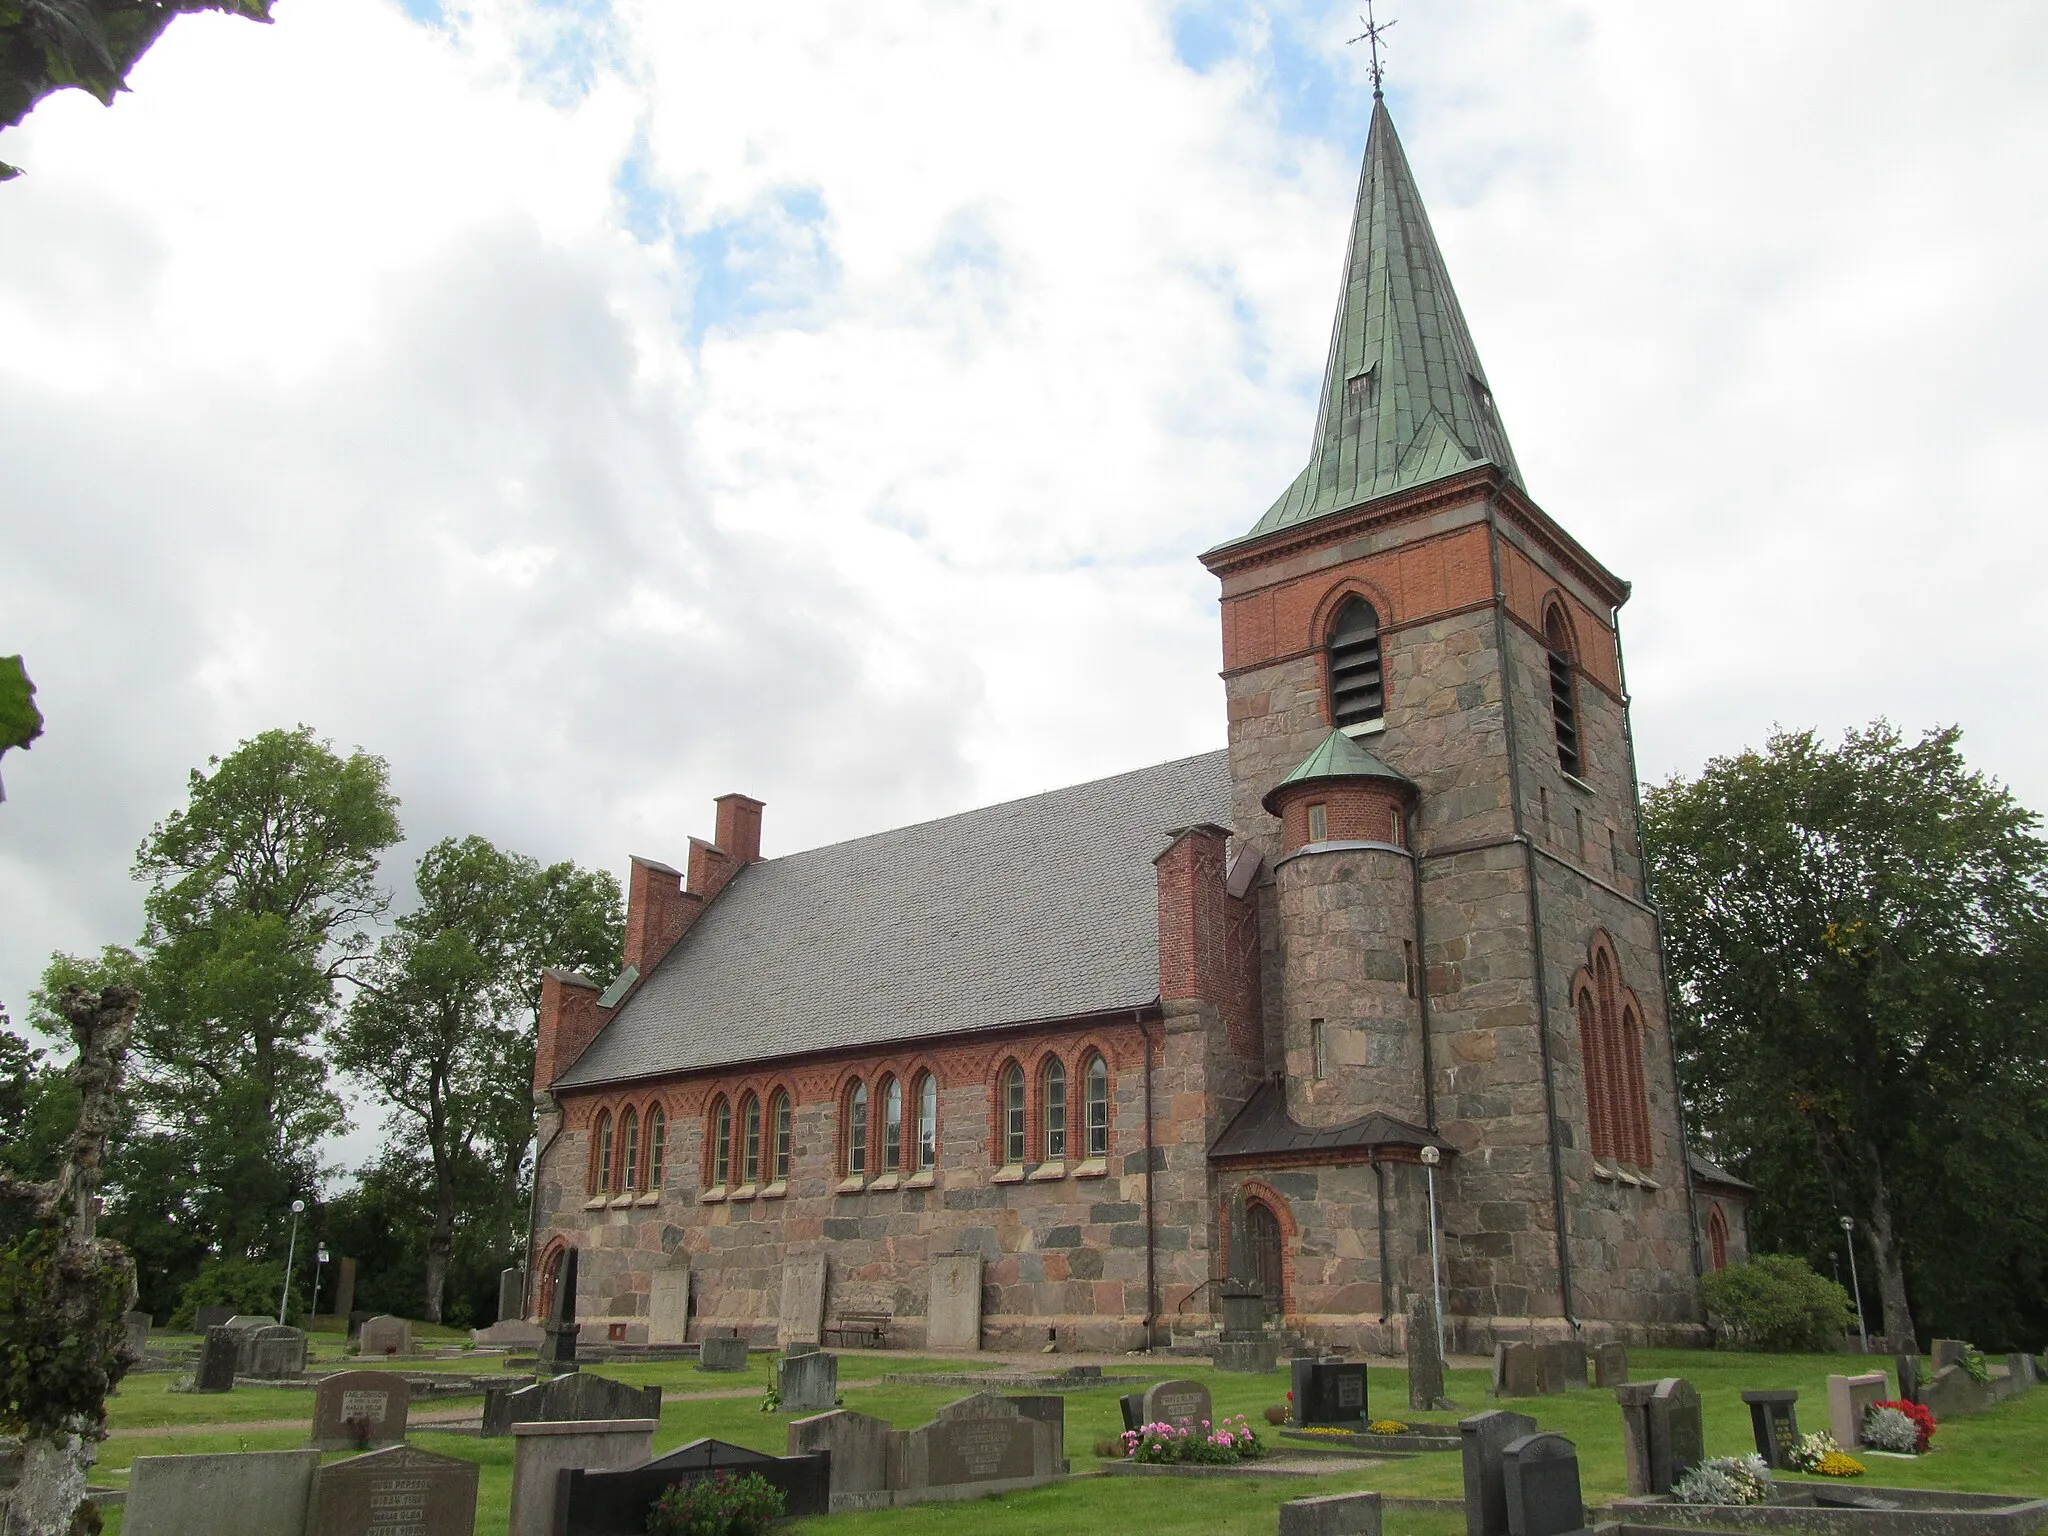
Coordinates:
<point>1430,752</point>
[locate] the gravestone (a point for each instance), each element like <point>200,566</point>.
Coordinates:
<point>1954,1391</point>
<point>668,1301</point>
<point>1243,1347</point>
<point>248,1321</point>
<point>137,1326</point>
<point>952,1318</point>
<point>1133,1406</point>
<point>860,1447</point>
<point>511,1295</point>
<point>1678,1435</point>
<point>799,1349</point>
<point>1517,1371</point>
<point>802,1317</point>
<point>1775,1424</point>
<point>1169,1402</point>
<point>591,1503</point>
<point>980,1444</point>
<point>353,1409</point>
<point>399,1491</point>
<point>543,1450</point>
<point>1909,1377</point>
<point>808,1383</point>
<point>1329,1392</point>
<point>558,1336</point>
<point>1047,1408</point>
<point>217,1354</point>
<point>1849,1398</point>
<point>1568,1363</point>
<point>1332,1514</point>
<point>571,1399</point>
<point>1425,1359</point>
<point>1610,1365</point>
<point>250,1493</point>
<point>1484,1439</point>
<point>277,1354</point>
<point>512,1333</point>
<point>1541,1477</point>
<point>2020,1367</point>
<point>344,1287</point>
<point>1948,1352</point>
<point>209,1318</point>
<point>722,1352</point>
<point>386,1335</point>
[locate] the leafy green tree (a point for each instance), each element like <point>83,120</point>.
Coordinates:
<point>49,45</point>
<point>1858,941</point>
<point>262,890</point>
<point>442,1023</point>
<point>20,721</point>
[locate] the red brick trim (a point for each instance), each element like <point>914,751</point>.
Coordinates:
<point>556,1248</point>
<point>1341,591</point>
<point>1258,1192</point>
<point>998,1118</point>
<point>1333,529</point>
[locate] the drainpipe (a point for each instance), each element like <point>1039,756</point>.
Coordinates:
<point>1507,711</point>
<point>1379,1179</point>
<point>1151,1272</point>
<point>1635,789</point>
<point>1413,819</point>
<point>533,1201</point>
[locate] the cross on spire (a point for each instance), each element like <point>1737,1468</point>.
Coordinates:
<point>1371,37</point>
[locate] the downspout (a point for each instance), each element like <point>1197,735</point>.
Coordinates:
<point>533,1202</point>
<point>1413,819</point>
<point>1151,1273</point>
<point>1507,711</point>
<point>1379,1179</point>
<point>1635,789</point>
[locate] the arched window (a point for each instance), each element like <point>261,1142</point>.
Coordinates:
<point>657,1146</point>
<point>1012,1098</point>
<point>1564,702</point>
<point>1357,690</point>
<point>750,1145</point>
<point>778,1120</point>
<point>604,1153</point>
<point>551,1280</point>
<point>1717,1237</point>
<point>721,1142</point>
<point>927,1122</point>
<point>857,1131</point>
<point>629,1137</point>
<point>1095,1077</point>
<point>1592,1053</point>
<point>892,1126</point>
<point>1053,1086</point>
<point>1635,1090</point>
<point>1611,1049</point>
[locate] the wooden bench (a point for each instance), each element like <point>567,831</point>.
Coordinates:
<point>860,1330</point>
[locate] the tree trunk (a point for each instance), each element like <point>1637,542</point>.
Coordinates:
<point>1891,1268</point>
<point>441,1236</point>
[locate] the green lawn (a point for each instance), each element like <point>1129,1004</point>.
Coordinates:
<point>2005,1450</point>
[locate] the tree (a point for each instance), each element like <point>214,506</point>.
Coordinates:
<point>20,721</point>
<point>442,1023</point>
<point>49,45</point>
<point>261,892</point>
<point>1858,941</point>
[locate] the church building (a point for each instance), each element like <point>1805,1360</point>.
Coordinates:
<point>1391,942</point>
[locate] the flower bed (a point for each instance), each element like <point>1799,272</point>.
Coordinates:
<point>1222,1443</point>
<point>1903,1427</point>
<point>1725,1480</point>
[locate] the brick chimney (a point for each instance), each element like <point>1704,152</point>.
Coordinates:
<point>739,827</point>
<point>658,912</point>
<point>1209,933</point>
<point>569,1020</point>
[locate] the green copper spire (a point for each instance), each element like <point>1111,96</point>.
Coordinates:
<point>1404,398</point>
<point>1337,756</point>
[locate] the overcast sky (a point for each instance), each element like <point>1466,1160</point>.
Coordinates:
<point>596,408</point>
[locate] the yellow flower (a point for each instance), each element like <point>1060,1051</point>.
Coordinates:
<point>1387,1427</point>
<point>1836,1464</point>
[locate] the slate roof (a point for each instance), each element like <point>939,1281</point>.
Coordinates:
<point>1263,1128</point>
<point>1708,1172</point>
<point>1041,908</point>
<point>1405,400</point>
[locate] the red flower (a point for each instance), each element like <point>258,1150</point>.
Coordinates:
<point>1923,1420</point>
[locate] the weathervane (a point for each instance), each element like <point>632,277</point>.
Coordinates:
<point>1371,37</point>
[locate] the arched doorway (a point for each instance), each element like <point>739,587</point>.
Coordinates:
<point>1268,1254</point>
<point>1717,1237</point>
<point>550,1281</point>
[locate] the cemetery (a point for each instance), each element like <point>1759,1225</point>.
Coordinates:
<point>880,1441</point>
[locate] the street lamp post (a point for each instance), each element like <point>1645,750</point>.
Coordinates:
<point>319,1260</point>
<point>1430,1158</point>
<point>291,1254</point>
<point>1849,1241</point>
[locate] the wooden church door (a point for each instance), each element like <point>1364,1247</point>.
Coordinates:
<point>1266,1251</point>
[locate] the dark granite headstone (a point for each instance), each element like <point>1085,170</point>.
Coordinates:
<point>1678,1437</point>
<point>395,1490</point>
<point>978,1450</point>
<point>1909,1377</point>
<point>577,1398</point>
<point>599,1503</point>
<point>722,1352</point>
<point>1486,1437</point>
<point>1047,1408</point>
<point>1329,1392</point>
<point>1425,1358</point>
<point>1775,1424</point>
<point>217,1356</point>
<point>1541,1478</point>
<point>1133,1405</point>
<point>1610,1365</point>
<point>359,1408</point>
<point>210,1318</point>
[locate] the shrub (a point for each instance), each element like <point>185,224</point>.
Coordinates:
<point>1921,1418</point>
<point>1972,1362</point>
<point>250,1286</point>
<point>1887,1429</point>
<point>1725,1480</point>
<point>1775,1302</point>
<point>719,1505</point>
<point>1184,1443</point>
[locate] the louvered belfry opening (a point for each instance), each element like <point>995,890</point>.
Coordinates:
<point>1564,706</point>
<point>1357,691</point>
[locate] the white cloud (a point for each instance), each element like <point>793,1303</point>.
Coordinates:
<point>597,411</point>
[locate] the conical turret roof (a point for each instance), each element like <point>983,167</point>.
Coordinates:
<point>1337,756</point>
<point>1405,400</point>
